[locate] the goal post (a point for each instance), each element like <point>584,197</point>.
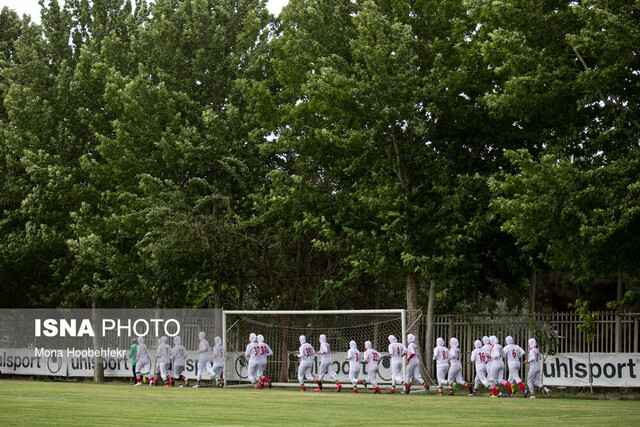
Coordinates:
<point>281,330</point>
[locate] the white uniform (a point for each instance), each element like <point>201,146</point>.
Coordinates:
<point>252,352</point>
<point>218,356</point>
<point>264,351</point>
<point>487,350</point>
<point>441,355</point>
<point>372,358</point>
<point>163,354</point>
<point>203,350</point>
<point>305,356</point>
<point>179,355</point>
<point>355,358</point>
<point>396,351</point>
<point>496,371</point>
<point>479,358</point>
<point>326,363</point>
<point>413,365</point>
<point>533,377</point>
<point>143,363</point>
<point>513,353</point>
<point>455,366</point>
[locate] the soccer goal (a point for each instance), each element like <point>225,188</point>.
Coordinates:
<point>281,330</point>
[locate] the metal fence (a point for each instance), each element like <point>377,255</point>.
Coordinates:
<point>564,326</point>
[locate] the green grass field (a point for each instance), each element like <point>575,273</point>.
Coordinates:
<point>58,403</point>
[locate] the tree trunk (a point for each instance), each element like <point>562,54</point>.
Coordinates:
<point>98,366</point>
<point>428,346</point>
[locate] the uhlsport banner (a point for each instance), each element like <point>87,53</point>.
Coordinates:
<point>607,370</point>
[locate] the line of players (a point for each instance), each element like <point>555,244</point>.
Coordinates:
<point>209,359</point>
<point>488,357</point>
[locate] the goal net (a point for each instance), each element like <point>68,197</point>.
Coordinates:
<point>282,329</point>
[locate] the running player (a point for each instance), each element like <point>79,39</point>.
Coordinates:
<point>133,351</point>
<point>163,352</point>
<point>305,356</point>
<point>533,377</point>
<point>441,355</point>
<point>326,364</point>
<point>455,368</point>
<point>251,354</point>
<point>513,353</point>
<point>413,365</point>
<point>218,356</point>
<point>396,352</point>
<point>264,351</point>
<point>178,354</point>
<point>355,358</point>
<point>143,363</point>
<point>479,357</point>
<point>203,350</point>
<point>496,371</point>
<point>372,358</point>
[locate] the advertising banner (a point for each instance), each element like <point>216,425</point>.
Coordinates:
<point>607,370</point>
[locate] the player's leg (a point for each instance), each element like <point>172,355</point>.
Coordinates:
<point>354,372</point>
<point>322,370</point>
<point>504,382</point>
<point>514,378</point>
<point>373,374</point>
<point>441,375</point>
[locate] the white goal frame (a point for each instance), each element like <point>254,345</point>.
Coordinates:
<point>402,313</point>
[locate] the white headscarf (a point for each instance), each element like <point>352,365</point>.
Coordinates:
<point>140,340</point>
<point>532,343</point>
<point>509,340</point>
<point>367,344</point>
<point>353,344</point>
<point>177,341</point>
<point>260,338</point>
<point>493,340</point>
<point>411,338</point>
<point>440,341</point>
<point>163,340</point>
<point>302,339</point>
<point>478,344</point>
<point>323,338</point>
<point>485,340</point>
<point>252,337</point>
<point>201,335</point>
<point>218,341</point>
<point>392,339</point>
<point>454,342</point>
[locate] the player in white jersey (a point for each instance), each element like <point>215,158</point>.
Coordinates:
<point>264,351</point>
<point>143,363</point>
<point>441,355</point>
<point>326,364</point>
<point>251,354</point>
<point>486,347</point>
<point>496,371</point>
<point>305,356</point>
<point>372,359</point>
<point>163,353</point>
<point>513,353</point>
<point>179,355</point>
<point>396,352</point>
<point>455,367</point>
<point>355,358</point>
<point>413,365</point>
<point>203,357</point>
<point>216,367</point>
<point>533,377</point>
<point>479,357</point>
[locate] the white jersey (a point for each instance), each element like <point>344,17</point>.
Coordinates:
<point>486,349</point>
<point>513,353</point>
<point>264,351</point>
<point>142,356</point>
<point>479,357</point>
<point>354,357</point>
<point>306,353</point>
<point>455,357</point>
<point>497,355</point>
<point>412,352</point>
<point>178,354</point>
<point>534,358</point>
<point>441,355</point>
<point>396,350</point>
<point>325,351</point>
<point>163,353</point>
<point>218,354</point>
<point>252,352</point>
<point>204,350</point>
<point>371,357</point>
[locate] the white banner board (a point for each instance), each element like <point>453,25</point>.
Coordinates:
<point>607,370</point>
